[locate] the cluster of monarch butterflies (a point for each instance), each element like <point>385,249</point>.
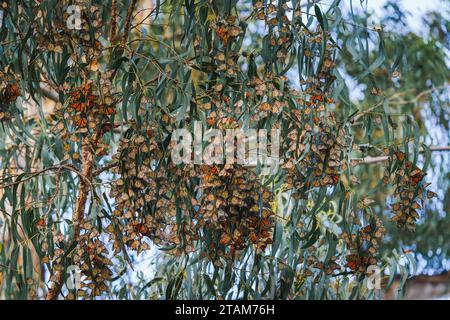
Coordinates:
<point>90,255</point>
<point>9,92</point>
<point>312,266</point>
<point>279,36</point>
<point>226,29</point>
<point>321,153</point>
<point>363,245</point>
<point>410,190</point>
<point>86,109</point>
<point>81,34</point>
<point>316,144</point>
<point>231,97</point>
<point>234,211</point>
<point>148,194</point>
<point>229,208</point>
<point>317,89</point>
<point>83,102</point>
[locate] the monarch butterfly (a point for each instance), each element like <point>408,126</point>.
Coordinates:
<point>225,239</point>
<point>353,261</point>
<point>335,178</point>
<point>367,229</point>
<point>253,238</point>
<point>80,106</point>
<point>431,194</point>
<point>40,223</point>
<point>11,92</point>
<point>143,229</point>
<point>86,88</point>
<point>264,223</point>
<point>416,177</point>
<point>109,110</point>
<point>222,32</point>
<point>400,155</point>
<point>352,265</point>
<point>317,98</point>
<point>214,170</point>
<point>14,89</point>
<point>81,122</point>
<point>75,95</point>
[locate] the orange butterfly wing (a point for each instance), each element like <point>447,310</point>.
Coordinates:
<point>81,122</point>
<point>79,106</point>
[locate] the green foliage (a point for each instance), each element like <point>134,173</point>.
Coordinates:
<point>87,178</point>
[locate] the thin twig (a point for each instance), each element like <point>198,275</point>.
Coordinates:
<point>113,31</point>
<point>87,161</point>
<point>104,168</point>
<point>128,21</point>
<point>371,160</point>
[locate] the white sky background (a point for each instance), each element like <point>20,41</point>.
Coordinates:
<point>416,8</point>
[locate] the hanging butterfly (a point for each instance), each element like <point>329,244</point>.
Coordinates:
<point>317,98</point>
<point>400,155</point>
<point>353,261</point>
<point>367,229</point>
<point>222,32</point>
<point>335,178</point>
<point>225,239</point>
<point>40,223</point>
<point>12,92</point>
<point>143,229</point>
<point>80,121</point>
<point>396,206</point>
<point>431,194</point>
<point>416,176</point>
<point>210,121</point>
<point>80,106</point>
<point>109,110</point>
<point>75,95</point>
<point>86,89</point>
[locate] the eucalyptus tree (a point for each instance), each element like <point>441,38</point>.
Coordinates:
<point>92,93</point>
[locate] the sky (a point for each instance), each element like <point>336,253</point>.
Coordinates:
<point>416,7</point>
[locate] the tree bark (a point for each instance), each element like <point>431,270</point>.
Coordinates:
<point>87,158</point>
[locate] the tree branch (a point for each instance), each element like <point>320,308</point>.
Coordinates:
<point>128,21</point>
<point>87,160</point>
<point>49,92</point>
<point>104,168</point>
<point>371,160</point>
<point>112,34</point>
